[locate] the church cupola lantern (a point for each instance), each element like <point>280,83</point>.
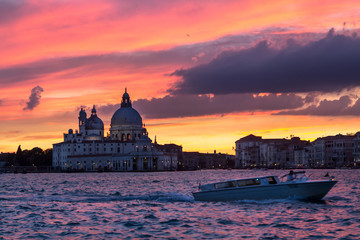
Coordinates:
<point>126,100</point>
<point>93,111</point>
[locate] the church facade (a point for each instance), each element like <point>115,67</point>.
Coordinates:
<point>126,148</point>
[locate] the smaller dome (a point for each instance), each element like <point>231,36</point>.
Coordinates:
<point>94,122</point>
<point>71,131</point>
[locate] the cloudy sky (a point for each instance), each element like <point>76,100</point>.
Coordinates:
<point>201,73</point>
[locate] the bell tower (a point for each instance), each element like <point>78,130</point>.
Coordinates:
<point>82,120</point>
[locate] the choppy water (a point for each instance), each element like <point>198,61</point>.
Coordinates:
<point>160,206</point>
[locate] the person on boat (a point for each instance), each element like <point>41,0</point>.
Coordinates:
<point>291,176</point>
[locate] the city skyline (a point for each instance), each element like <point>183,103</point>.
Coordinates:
<point>202,75</point>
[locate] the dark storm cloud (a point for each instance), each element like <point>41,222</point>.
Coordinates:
<point>185,55</point>
<point>343,106</point>
<point>191,105</point>
<point>34,98</point>
<point>107,110</point>
<point>326,65</point>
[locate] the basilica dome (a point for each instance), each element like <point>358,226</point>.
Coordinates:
<point>94,122</point>
<point>126,115</point>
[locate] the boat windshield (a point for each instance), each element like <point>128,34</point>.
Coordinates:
<point>248,182</point>
<point>271,180</point>
<point>224,185</point>
<point>293,176</point>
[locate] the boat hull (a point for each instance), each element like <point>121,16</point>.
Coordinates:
<point>310,191</point>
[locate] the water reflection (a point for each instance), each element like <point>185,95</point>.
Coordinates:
<point>160,205</point>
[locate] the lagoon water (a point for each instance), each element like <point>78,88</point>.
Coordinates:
<point>159,205</point>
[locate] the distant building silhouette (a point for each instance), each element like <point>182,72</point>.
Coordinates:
<point>333,151</point>
<point>197,161</point>
<point>325,152</point>
<point>254,151</point>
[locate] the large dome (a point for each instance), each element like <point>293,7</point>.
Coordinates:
<point>126,116</point>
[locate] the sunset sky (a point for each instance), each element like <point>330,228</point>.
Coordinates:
<point>202,74</point>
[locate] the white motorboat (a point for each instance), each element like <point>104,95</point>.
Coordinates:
<point>296,186</point>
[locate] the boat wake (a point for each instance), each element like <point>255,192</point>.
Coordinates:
<point>160,197</point>
<point>77,197</point>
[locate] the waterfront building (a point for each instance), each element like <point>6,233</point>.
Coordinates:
<point>197,161</point>
<point>273,153</point>
<point>126,148</point>
<point>254,152</point>
<point>247,151</point>
<point>299,153</point>
<point>325,152</point>
<point>7,159</point>
<point>302,156</point>
<point>356,151</point>
<point>333,151</point>
<point>174,152</point>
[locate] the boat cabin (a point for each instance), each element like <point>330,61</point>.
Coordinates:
<point>240,183</point>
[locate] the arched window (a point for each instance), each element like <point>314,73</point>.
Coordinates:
<point>128,137</point>
<point>123,137</point>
